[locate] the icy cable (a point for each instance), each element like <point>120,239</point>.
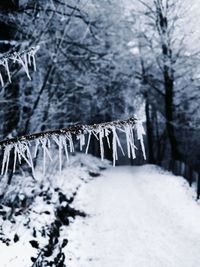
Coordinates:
<point>25,58</point>
<point>26,147</point>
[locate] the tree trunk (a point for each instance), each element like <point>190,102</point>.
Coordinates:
<point>168,75</point>
<point>169,91</point>
<point>10,108</point>
<point>149,132</point>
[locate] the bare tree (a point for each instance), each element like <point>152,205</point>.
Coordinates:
<point>166,64</point>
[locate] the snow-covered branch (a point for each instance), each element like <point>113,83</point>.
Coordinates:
<point>24,58</point>
<point>26,147</point>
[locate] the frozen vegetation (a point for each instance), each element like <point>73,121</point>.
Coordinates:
<point>71,74</point>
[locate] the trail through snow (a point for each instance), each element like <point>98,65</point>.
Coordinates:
<point>138,217</point>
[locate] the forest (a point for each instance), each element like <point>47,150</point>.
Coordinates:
<point>99,133</point>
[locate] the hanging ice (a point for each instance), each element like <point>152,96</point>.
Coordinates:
<point>130,141</point>
<point>140,133</point>
<point>6,159</point>
<point>27,147</point>
<point>24,58</point>
<point>1,80</point>
<point>101,136</point>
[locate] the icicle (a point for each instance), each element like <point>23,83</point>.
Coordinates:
<point>119,144</point>
<point>132,145</point>
<point>127,132</point>
<point>34,62</point>
<point>32,55</point>
<point>101,136</point>
<point>44,160</point>
<point>95,134</point>
<point>59,142</point>
<point>22,151</point>
<point>44,155</point>
<point>24,65</point>
<point>45,152</point>
<point>114,146</point>
<point>81,138</point>
<point>130,141</point>
<point>107,132</point>
<point>1,80</point>
<point>30,158</point>
<point>60,153</point>
<point>64,141</point>
<point>18,154</point>
<point>88,142</point>
<point>140,133</point>
<point>15,159</point>
<point>37,143</point>
<point>46,143</point>
<point>116,143</point>
<point>6,159</point>
<point>29,59</point>
<point>5,63</point>
<point>71,145</point>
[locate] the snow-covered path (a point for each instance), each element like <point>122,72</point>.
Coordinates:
<point>139,217</point>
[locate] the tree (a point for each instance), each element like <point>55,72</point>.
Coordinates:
<point>84,70</point>
<point>166,64</point>
<point>101,57</point>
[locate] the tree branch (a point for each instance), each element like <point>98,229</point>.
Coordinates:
<point>75,129</point>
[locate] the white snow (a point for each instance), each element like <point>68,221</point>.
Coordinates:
<point>75,173</point>
<point>138,217</point>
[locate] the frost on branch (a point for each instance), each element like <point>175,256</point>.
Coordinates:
<point>25,59</point>
<point>26,147</point>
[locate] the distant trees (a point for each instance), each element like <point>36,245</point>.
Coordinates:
<point>96,59</point>
<point>167,66</point>
<point>9,103</point>
<point>84,65</point>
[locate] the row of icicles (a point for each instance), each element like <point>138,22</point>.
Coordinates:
<point>28,150</point>
<point>25,59</point>
<point>25,150</point>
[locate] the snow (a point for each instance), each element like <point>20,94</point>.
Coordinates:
<point>34,215</point>
<point>138,216</point>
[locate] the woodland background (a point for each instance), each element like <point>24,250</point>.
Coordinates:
<point>105,60</point>
<point>100,61</point>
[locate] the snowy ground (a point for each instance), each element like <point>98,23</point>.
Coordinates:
<point>139,217</point>
<point>30,207</point>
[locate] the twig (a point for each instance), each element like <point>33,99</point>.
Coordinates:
<point>75,129</point>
